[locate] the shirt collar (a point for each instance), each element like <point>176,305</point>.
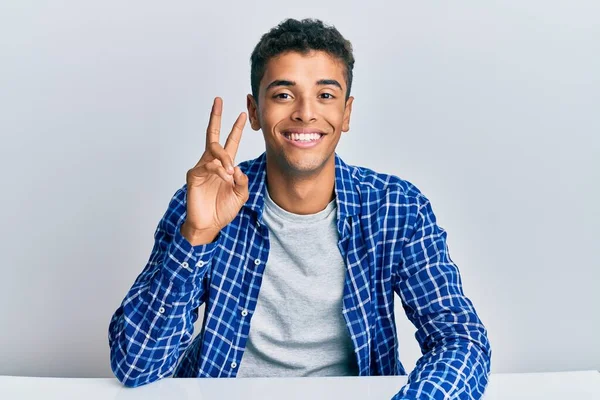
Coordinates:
<point>346,193</point>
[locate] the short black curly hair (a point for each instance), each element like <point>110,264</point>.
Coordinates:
<point>301,36</point>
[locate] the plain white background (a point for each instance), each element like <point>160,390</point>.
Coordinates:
<point>490,108</point>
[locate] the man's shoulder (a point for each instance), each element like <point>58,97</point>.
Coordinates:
<point>381,185</point>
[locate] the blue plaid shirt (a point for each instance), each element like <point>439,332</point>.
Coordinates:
<point>391,243</point>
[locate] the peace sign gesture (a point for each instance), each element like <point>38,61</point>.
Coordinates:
<point>216,190</point>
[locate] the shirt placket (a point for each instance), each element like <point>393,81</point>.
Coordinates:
<point>254,266</point>
<point>357,298</point>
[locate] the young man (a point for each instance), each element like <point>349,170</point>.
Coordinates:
<point>296,254</point>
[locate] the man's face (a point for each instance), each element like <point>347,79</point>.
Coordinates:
<point>302,110</point>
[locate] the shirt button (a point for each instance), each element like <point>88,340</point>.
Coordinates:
<point>161,310</point>
<point>185,264</point>
<point>244,312</point>
<point>233,365</point>
<point>257,262</point>
<point>201,263</point>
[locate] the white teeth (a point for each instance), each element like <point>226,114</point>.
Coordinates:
<point>303,137</point>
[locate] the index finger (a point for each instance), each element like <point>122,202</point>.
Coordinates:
<point>214,123</point>
<point>233,140</point>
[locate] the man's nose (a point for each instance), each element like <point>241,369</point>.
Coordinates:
<point>304,112</point>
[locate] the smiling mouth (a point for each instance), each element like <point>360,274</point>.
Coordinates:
<point>303,137</point>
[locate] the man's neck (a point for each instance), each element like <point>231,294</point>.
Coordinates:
<point>302,195</point>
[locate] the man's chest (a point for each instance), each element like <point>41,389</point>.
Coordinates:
<point>358,261</point>
<point>361,283</point>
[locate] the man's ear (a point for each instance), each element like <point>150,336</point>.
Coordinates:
<point>253,112</point>
<point>347,112</point>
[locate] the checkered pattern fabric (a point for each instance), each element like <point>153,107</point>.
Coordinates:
<point>391,243</point>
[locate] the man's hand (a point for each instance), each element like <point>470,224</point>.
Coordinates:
<point>216,190</point>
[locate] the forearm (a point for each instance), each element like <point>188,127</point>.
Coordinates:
<point>148,332</point>
<point>456,350</point>
<point>154,323</point>
<point>455,370</point>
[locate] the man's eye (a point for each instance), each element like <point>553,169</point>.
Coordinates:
<point>281,96</point>
<point>327,96</point>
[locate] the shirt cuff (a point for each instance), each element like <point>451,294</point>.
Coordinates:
<point>184,263</point>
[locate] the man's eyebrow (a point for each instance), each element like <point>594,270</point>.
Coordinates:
<point>284,82</point>
<point>329,82</point>
<point>280,82</point>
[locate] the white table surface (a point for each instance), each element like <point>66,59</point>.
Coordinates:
<point>580,385</point>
